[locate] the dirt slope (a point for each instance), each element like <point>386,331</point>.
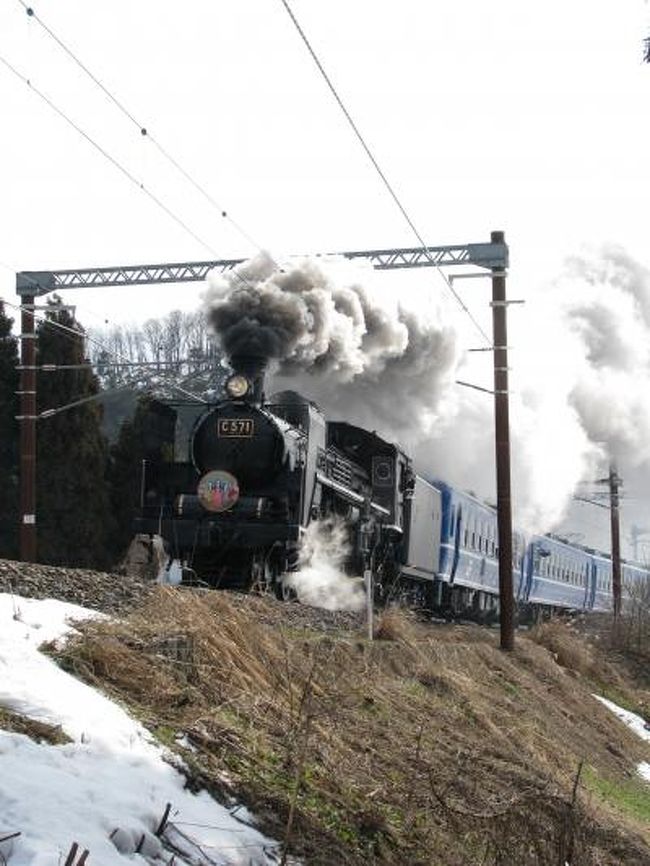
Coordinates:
<point>111,593</point>
<point>428,746</point>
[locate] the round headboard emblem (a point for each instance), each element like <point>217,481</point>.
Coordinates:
<point>218,490</point>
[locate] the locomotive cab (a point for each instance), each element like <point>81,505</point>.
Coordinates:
<point>386,466</point>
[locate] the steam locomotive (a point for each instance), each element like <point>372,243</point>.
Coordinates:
<point>234,510</point>
<point>259,471</point>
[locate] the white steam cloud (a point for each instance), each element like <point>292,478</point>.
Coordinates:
<point>579,384</point>
<point>589,377</point>
<point>320,580</point>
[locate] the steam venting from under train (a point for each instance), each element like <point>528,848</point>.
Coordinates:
<point>363,358</point>
<point>321,580</point>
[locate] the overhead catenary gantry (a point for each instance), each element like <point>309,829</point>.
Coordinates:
<point>37,283</point>
<point>491,256</point>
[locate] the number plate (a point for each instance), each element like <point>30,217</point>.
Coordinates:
<point>235,428</point>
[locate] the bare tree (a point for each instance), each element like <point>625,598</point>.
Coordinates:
<point>633,632</point>
<point>179,345</point>
<point>173,336</point>
<point>154,337</point>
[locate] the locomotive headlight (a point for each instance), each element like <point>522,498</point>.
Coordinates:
<point>237,386</point>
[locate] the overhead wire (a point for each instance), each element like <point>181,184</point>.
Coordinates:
<point>73,335</point>
<point>83,307</point>
<point>51,368</point>
<point>68,333</point>
<point>109,156</point>
<point>377,167</point>
<point>118,165</point>
<point>145,133</point>
<point>142,128</point>
<point>240,277</point>
<point>77,334</point>
<point>50,413</point>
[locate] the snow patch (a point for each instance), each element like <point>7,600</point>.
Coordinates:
<point>636,723</point>
<point>108,788</point>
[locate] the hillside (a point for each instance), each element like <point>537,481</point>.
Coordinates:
<point>427,746</point>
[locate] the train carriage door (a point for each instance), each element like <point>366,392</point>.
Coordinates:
<point>592,580</point>
<point>457,535</point>
<point>585,574</point>
<point>531,560</point>
<point>519,560</point>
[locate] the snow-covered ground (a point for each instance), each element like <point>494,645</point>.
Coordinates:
<point>107,789</point>
<point>636,723</point>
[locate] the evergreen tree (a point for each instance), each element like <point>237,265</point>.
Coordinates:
<point>126,471</point>
<point>147,437</point>
<point>8,439</point>
<point>73,507</point>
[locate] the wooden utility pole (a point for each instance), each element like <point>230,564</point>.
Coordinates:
<point>502,445</point>
<point>614,482</point>
<point>27,431</point>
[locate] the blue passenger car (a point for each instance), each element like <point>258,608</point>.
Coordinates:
<point>557,574</point>
<point>468,544</point>
<point>547,572</point>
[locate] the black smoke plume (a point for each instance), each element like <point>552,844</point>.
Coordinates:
<point>363,358</point>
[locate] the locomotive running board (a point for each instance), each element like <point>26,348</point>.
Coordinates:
<point>348,494</point>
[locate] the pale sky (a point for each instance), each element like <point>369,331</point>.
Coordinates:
<point>533,118</point>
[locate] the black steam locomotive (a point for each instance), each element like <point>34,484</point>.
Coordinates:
<point>259,471</point>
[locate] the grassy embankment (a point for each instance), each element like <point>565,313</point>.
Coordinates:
<point>427,746</point>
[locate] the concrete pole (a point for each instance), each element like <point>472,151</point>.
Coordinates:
<point>502,446</point>
<point>27,431</point>
<point>614,482</point>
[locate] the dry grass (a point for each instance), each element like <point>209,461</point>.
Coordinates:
<point>396,624</point>
<point>427,747</point>
<point>591,648</point>
<point>568,650</point>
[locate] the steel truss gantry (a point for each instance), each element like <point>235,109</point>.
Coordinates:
<point>37,283</point>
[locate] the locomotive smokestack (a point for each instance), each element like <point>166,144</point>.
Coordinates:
<point>254,368</point>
